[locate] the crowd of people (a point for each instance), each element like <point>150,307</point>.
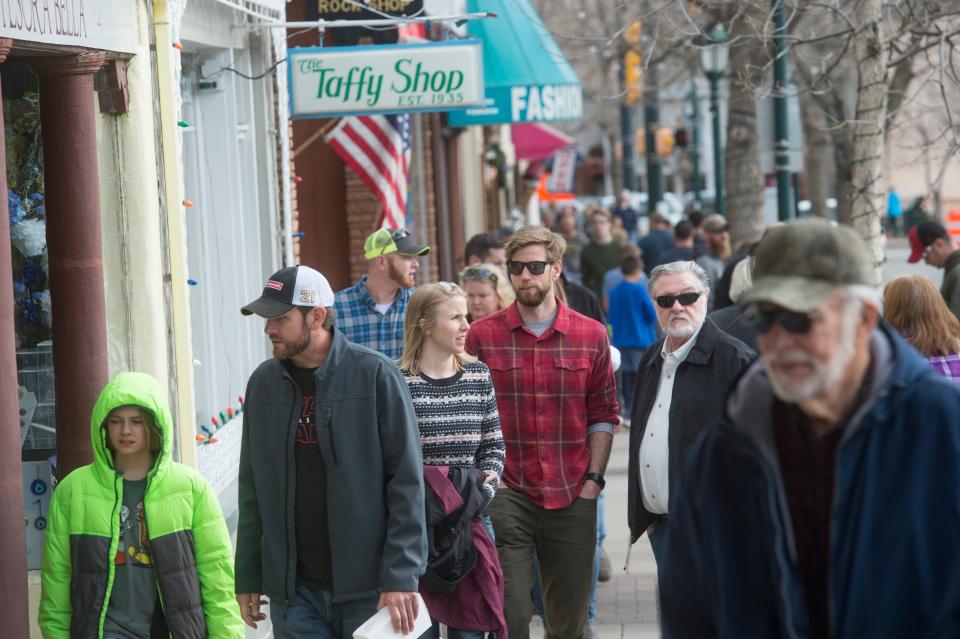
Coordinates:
<point>794,447</point>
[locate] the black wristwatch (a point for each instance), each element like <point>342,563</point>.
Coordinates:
<point>596,477</point>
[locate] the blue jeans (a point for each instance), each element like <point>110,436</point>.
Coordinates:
<point>601,535</point>
<point>313,614</point>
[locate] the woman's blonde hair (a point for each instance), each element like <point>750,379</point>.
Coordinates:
<point>913,305</point>
<point>487,272</point>
<point>421,316</point>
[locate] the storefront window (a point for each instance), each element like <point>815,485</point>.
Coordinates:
<point>31,290</point>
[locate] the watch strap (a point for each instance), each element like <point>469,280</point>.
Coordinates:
<point>596,477</point>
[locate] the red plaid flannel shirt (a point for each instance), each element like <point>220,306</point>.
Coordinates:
<point>550,389</point>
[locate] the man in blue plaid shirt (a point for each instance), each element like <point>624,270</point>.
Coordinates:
<point>371,312</point>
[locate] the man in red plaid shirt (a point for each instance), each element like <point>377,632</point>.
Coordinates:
<point>557,400</point>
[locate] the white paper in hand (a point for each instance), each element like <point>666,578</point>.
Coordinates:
<point>379,626</point>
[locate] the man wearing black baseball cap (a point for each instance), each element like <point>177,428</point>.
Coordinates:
<point>331,523</point>
<point>836,463</point>
<point>931,241</point>
<point>371,312</point>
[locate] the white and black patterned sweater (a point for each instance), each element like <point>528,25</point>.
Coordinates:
<point>459,422</point>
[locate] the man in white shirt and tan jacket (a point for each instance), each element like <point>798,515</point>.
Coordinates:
<point>681,387</point>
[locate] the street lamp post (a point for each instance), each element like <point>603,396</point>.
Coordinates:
<point>695,142</point>
<point>714,58</point>
<point>781,144</point>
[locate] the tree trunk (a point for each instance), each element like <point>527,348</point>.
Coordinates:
<point>744,180</point>
<point>819,163</point>
<point>868,203</point>
<point>843,161</point>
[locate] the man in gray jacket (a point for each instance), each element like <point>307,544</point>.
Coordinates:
<point>331,525</point>
<point>930,241</point>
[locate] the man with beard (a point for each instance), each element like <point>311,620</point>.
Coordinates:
<point>681,384</point>
<point>371,312</point>
<point>717,238</point>
<point>331,525</point>
<point>557,400</point>
<point>825,503</point>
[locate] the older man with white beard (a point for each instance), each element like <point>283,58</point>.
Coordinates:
<point>826,503</point>
<point>681,386</point>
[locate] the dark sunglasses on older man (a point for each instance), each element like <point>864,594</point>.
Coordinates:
<point>535,268</point>
<point>685,299</point>
<point>791,321</point>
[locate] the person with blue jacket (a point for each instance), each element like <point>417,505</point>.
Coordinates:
<point>826,503</point>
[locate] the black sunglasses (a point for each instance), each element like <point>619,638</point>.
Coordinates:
<point>535,268</point>
<point>721,230</point>
<point>399,234</point>
<point>685,299</point>
<point>791,321</point>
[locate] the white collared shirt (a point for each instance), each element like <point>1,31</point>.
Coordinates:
<point>654,449</point>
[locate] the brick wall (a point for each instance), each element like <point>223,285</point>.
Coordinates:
<point>363,209</point>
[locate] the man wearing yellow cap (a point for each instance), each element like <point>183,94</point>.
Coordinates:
<point>371,312</point>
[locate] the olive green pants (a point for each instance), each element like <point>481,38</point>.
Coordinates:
<point>564,540</point>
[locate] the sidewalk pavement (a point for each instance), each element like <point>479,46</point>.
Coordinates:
<point>627,604</point>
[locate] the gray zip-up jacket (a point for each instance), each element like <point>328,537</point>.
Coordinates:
<point>368,435</point>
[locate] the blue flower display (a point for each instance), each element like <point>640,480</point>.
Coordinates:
<point>15,207</point>
<point>29,309</point>
<point>32,273</point>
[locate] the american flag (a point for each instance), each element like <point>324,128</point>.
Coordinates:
<point>377,147</point>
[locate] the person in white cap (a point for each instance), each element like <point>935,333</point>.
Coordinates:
<point>331,525</point>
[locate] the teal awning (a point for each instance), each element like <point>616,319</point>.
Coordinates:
<point>527,77</point>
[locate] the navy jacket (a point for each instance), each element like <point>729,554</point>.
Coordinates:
<point>895,533</point>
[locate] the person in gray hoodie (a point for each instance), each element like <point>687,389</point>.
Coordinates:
<point>331,495</point>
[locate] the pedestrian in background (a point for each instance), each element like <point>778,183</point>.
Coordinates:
<point>682,250</point>
<point>487,290</point>
<point>576,240</point>
<point>913,306</point>
<point>634,323</point>
<point>714,258</point>
<point>931,242</point>
<point>601,254</point>
<point>894,212</point>
<point>656,242</point>
<point>171,572</point>
<point>737,320</point>
<point>460,429</point>
<point>547,361</point>
<point>681,385</point>
<point>370,313</point>
<point>331,494</point>
<point>484,248</point>
<point>627,215</point>
<point>613,277</point>
<point>827,496</point>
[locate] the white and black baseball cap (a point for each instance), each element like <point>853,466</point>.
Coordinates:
<point>289,287</point>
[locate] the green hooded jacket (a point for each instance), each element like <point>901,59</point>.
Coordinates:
<point>190,546</point>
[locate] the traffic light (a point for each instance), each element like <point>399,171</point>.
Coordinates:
<point>665,141</point>
<point>632,77</point>
<point>680,136</point>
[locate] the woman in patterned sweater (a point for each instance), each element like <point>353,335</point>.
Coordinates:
<point>452,391</point>
<point>452,395</point>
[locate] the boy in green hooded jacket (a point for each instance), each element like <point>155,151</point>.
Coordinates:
<point>136,545</point>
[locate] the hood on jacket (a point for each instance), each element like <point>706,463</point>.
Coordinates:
<point>130,389</point>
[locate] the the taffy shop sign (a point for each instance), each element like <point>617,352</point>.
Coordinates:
<point>335,81</point>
